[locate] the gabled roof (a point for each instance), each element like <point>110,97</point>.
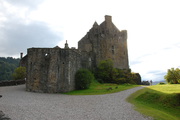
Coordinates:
<point>95,24</point>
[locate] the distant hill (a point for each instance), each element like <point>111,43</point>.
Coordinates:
<point>7,67</point>
<point>156,82</point>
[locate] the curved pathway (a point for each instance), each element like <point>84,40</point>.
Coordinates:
<point>21,105</point>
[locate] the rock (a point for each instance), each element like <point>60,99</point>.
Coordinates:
<point>3,116</point>
<point>110,88</point>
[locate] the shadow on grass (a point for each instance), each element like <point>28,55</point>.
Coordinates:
<point>160,105</point>
<point>100,89</point>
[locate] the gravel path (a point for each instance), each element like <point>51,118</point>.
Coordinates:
<point>21,105</point>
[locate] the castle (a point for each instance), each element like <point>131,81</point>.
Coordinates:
<point>53,70</point>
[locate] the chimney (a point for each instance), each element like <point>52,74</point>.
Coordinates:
<point>21,55</point>
<point>66,45</point>
<point>108,18</point>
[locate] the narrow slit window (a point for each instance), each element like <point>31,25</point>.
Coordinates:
<point>113,50</point>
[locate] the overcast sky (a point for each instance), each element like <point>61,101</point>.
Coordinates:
<point>153,28</point>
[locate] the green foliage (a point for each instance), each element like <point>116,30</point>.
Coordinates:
<point>83,79</point>
<point>105,73</point>
<point>121,80</point>
<point>173,76</point>
<point>7,67</point>
<point>161,83</point>
<point>19,73</point>
<point>135,78</point>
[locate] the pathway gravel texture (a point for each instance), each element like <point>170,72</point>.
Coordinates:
<point>19,104</point>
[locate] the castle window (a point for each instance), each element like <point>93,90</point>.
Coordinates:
<point>107,31</point>
<point>46,54</point>
<point>96,30</point>
<point>113,50</point>
<point>96,35</point>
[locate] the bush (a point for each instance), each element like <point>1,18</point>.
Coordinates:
<point>120,81</point>
<point>83,79</point>
<point>106,73</point>
<point>19,73</point>
<point>161,83</point>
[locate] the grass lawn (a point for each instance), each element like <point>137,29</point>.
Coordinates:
<point>98,89</point>
<point>162,102</point>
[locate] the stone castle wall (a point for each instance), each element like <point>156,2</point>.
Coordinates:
<point>104,42</point>
<point>52,69</point>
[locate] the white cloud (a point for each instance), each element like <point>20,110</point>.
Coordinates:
<point>18,32</point>
<point>153,26</point>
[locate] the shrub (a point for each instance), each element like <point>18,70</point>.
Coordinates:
<point>106,73</point>
<point>83,79</point>
<point>120,81</point>
<point>161,83</point>
<point>19,73</point>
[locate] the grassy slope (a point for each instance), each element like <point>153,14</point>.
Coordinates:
<point>98,89</point>
<point>160,101</point>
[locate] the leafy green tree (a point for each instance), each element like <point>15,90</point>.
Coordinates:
<point>105,71</point>
<point>83,79</point>
<point>7,67</point>
<point>19,73</point>
<point>173,76</point>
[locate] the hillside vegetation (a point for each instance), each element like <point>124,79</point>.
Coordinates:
<point>7,67</point>
<point>159,101</point>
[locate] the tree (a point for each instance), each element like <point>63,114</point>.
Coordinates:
<point>7,67</point>
<point>105,71</point>
<point>19,73</point>
<point>83,79</point>
<point>173,76</point>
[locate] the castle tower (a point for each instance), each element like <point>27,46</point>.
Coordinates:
<point>53,70</point>
<point>105,41</point>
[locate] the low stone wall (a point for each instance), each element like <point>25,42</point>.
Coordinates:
<point>12,82</point>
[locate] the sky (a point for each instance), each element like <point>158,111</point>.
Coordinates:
<point>153,28</point>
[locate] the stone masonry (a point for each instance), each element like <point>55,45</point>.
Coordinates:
<point>52,70</point>
<point>104,42</point>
